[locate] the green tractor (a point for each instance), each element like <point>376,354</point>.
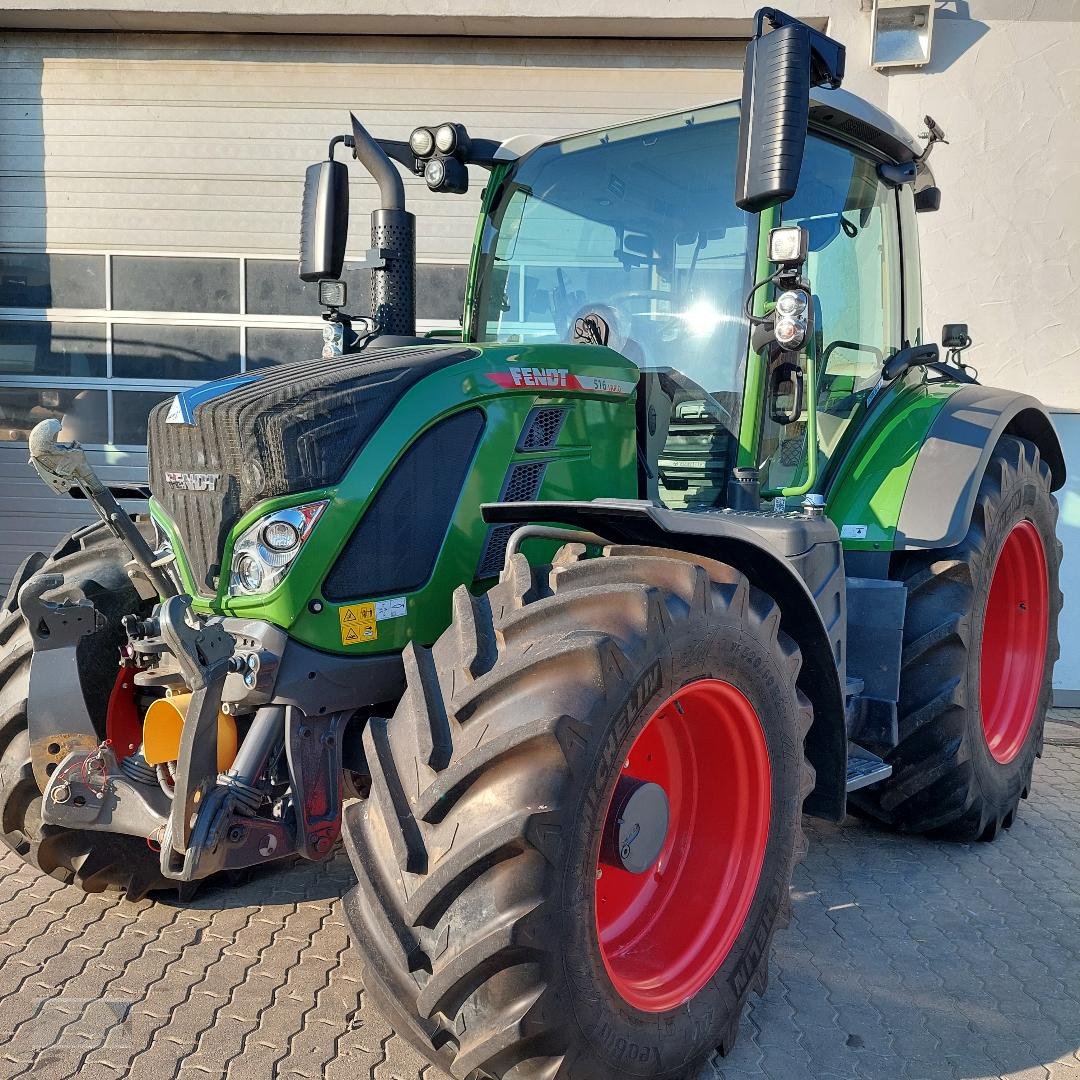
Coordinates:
<point>565,621</point>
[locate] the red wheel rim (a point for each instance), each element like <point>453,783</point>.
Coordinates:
<point>1014,642</point>
<point>664,934</point>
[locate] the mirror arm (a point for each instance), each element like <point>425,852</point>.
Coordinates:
<point>912,356</point>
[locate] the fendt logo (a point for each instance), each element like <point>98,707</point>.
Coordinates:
<point>192,481</point>
<point>534,376</point>
<point>517,378</point>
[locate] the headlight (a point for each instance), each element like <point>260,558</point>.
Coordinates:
<point>791,325</point>
<point>266,550</point>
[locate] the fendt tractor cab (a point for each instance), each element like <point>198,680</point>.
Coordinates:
<point>564,622</point>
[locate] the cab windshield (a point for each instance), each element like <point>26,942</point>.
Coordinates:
<point>637,223</point>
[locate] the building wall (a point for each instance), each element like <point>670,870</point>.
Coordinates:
<point>1003,253</point>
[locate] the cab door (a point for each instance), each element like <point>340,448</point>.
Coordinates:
<point>854,269</point>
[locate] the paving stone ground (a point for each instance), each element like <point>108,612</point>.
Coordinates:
<point>905,958</point>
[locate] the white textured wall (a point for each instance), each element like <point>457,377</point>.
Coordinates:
<point>1003,253</point>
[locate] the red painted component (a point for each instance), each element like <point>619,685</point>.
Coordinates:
<point>1015,631</point>
<point>664,934</point>
<point>123,728</point>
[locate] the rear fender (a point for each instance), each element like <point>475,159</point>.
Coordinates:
<point>796,560</point>
<point>944,483</point>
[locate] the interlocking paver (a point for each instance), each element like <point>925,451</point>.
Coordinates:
<point>906,958</point>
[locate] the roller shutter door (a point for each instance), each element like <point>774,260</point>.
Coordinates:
<point>149,202</point>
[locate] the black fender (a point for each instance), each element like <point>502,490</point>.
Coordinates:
<point>796,559</point>
<point>944,482</point>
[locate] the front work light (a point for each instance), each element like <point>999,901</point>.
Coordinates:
<point>446,138</point>
<point>422,142</point>
<point>266,550</point>
<point>447,174</point>
<point>788,245</point>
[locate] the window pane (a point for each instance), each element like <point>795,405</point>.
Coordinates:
<point>198,353</point>
<point>854,271</point>
<point>440,291</point>
<point>267,346</point>
<point>37,280</point>
<point>274,288</point>
<point>155,283</point>
<point>84,413</point>
<point>68,350</point>
<point>130,411</point>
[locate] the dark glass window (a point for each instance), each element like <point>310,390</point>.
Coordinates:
<point>85,413</point>
<point>198,353</point>
<point>68,350</point>
<point>440,291</point>
<point>130,411</point>
<point>36,280</point>
<point>156,283</point>
<point>273,287</point>
<point>268,346</point>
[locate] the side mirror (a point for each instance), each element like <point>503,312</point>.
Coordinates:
<point>781,66</point>
<point>324,220</point>
<point>928,200</point>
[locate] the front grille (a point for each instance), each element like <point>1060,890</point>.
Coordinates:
<point>394,547</point>
<point>289,429</point>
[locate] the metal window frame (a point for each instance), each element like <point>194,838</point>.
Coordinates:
<point>108,317</point>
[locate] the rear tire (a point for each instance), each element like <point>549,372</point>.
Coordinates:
<point>92,562</point>
<point>976,677</point>
<point>478,848</point>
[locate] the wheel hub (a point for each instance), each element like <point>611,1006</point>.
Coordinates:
<point>636,826</point>
<point>1015,634</point>
<point>684,844</point>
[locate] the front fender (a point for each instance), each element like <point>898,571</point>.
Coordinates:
<point>796,559</point>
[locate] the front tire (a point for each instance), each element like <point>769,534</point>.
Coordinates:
<point>497,935</point>
<point>980,642</point>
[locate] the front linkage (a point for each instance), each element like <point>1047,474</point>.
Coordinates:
<point>282,792</point>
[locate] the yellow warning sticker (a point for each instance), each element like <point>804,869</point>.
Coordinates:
<point>358,624</point>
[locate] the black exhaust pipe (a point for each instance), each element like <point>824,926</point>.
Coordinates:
<point>393,240</point>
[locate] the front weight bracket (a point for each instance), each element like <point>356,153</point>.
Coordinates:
<point>57,718</point>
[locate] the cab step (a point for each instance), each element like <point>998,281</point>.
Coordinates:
<point>864,768</point>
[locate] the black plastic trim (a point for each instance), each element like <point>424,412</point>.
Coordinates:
<point>945,480</point>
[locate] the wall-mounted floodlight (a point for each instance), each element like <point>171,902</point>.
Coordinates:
<point>901,33</point>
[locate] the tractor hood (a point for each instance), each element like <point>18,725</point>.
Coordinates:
<point>218,450</point>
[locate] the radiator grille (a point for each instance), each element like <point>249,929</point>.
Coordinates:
<point>394,547</point>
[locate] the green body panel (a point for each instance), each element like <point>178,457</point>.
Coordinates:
<point>595,456</point>
<point>754,395</point>
<point>874,466</point>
